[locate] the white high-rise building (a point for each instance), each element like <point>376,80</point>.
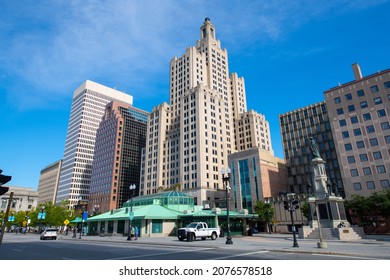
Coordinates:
<point>88,107</point>
<point>189,140</point>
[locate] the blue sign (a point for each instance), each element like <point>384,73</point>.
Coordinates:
<point>41,216</point>
<point>11,218</point>
<point>131,215</point>
<point>85,216</point>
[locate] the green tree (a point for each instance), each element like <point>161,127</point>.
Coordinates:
<point>265,213</point>
<point>305,209</point>
<point>56,214</point>
<point>367,208</point>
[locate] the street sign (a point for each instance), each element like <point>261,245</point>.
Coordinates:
<point>85,216</point>
<point>41,216</point>
<point>66,222</point>
<point>131,215</point>
<point>11,218</point>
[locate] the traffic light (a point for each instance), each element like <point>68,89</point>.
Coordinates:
<point>295,204</point>
<point>3,180</point>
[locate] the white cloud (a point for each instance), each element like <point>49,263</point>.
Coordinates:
<point>130,43</point>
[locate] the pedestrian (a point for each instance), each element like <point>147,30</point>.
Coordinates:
<point>74,232</point>
<point>136,233</point>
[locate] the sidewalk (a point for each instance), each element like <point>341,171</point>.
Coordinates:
<point>372,246</point>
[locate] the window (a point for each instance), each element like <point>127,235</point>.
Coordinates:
<point>360,93</point>
<point>387,139</point>
<point>363,104</point>
<point>385,183</point>
<point>367,170</point>
<point>367,116</point>
<point>340,111</point>
<point>363,157</point>
<point>377,155</point>
<point>370,185</point>
<point>337,100</point>
<point>351,159</point>
<point>378,100</point>
<point>342,122</point>
<point>345,134</point>
<point>354,119</point>
<point>357,186</point>
<point>385,125</point>
<point>348,96</point>
<point>357,132</point>
<point>360,144</point>
<point>354,173</point>
<point>370,129</point>
<point>351,108</point>
<point>386,84</point>
<point>381,169</point>
<point>348,147</point>
<point>381,113</point>
<point>374,142</point>
<point>374,89</point>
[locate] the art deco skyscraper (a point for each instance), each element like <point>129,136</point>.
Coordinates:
<point>189,140</point>
<point>88,107</point>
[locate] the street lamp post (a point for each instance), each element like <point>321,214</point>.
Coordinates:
<point>291,204</point>
<point>41,216</point>
<point>267,205</point>
<point>79,206</point>
<point>131,216</point>
<point>226,179</point>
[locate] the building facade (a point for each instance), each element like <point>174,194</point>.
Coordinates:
<point>359,113</point>
<point>88,106</point>
<point>255,175</point>
<point>296,128</point>
<point>189,140</point>
<point>48,182</point>
<point>116,165</point>
<point>24,199</point>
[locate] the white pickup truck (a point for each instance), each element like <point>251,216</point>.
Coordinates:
<point>197,229</point>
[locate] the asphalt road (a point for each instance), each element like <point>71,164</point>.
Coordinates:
<point>18,247</point>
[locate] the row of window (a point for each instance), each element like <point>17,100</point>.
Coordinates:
<point>371,185</point>
<point>360,93</point>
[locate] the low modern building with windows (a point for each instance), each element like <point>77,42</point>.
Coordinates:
<point>161,214</point>
<point>359,112</point>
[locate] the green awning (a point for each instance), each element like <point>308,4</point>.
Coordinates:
<point>152,211</point>
<point>77,220</point>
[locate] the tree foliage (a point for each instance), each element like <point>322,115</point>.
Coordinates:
<point>56,214</point>
<point>265,211</point>
<point>365,208</point>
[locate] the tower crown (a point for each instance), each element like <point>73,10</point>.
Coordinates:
<point>207,30</point>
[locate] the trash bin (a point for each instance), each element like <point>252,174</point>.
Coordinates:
<point>250,232</point>
<point>189,237</point>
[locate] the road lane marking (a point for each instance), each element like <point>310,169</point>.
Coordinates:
<point>157,254</point>
<point>240,255</point>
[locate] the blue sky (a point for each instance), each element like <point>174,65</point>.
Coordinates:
<point>289,53</point>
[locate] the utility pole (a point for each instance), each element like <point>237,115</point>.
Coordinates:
<point>11,196</point>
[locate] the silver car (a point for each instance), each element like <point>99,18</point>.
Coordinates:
<point>49,233</point>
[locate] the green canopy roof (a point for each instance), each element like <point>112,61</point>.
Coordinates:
<point>77,220</point>
<point>152,211</point>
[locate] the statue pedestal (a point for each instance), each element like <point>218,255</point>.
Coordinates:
<point>328,219</point>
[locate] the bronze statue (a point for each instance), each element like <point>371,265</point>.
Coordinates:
<point>314,148</point>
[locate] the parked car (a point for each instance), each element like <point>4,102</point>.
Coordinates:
<point>49,233</point>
